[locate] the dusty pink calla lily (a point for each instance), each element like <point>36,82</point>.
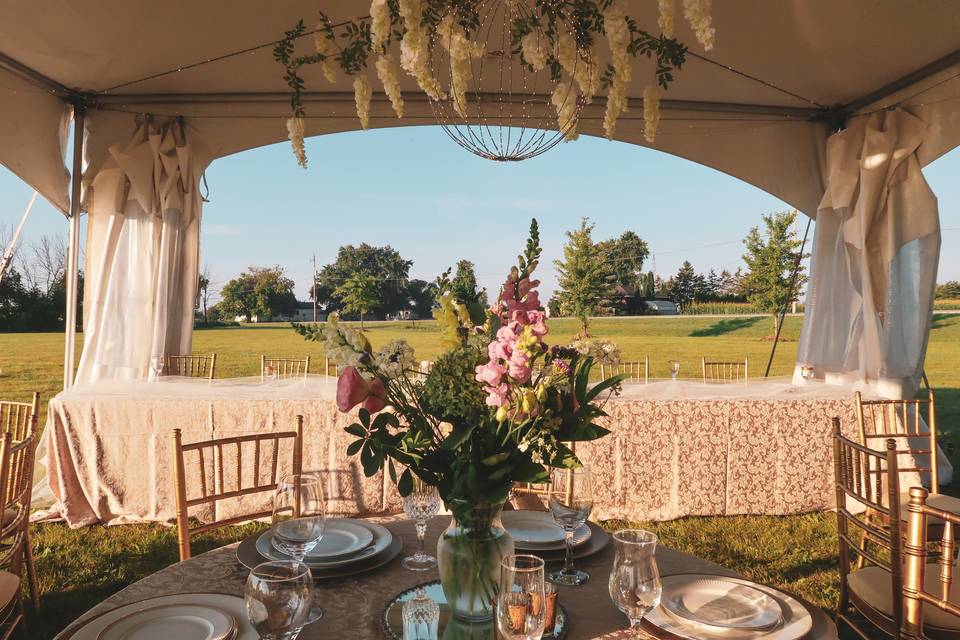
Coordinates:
<point>352,389</point>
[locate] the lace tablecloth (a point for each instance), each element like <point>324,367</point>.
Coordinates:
<point>353,607</point>
<point>677,448</point>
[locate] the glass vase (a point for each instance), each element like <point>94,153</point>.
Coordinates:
<point>468,556</point>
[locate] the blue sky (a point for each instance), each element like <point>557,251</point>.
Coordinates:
<point>414,189</point>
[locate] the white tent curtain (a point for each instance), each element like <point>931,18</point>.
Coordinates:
<point>142,252</point>
<point>875,254</point>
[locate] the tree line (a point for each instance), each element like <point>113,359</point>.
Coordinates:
<point>33,289</point>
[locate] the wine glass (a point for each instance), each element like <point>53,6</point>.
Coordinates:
<point>674,369</point>
<point>299,517</point>
<point>422,504</point>
<point>156,367</point>
<point>571,501</point>
<point>634,580</point>
<point>278,596</point>
<point>521,600</point>
<point>421,616</point>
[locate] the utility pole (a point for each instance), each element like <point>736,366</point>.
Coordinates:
<point>10,250</point>
<point>313,288</point>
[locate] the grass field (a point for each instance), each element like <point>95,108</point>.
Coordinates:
<point>78,568</point>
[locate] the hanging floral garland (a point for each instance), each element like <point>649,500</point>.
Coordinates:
<point>559,36</point>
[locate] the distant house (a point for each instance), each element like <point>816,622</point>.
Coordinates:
<point>304,313</point>
<point>623,300</point>
<point>403,314</point>
<point>662,307</point>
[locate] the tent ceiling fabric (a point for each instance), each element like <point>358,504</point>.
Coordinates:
<point>819,53</point>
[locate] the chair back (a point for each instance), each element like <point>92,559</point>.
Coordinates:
<point>16,480</point>
<point>190,366</point>
<point>284,367</point>
<point>330,368</point>
<point>725,371</point>
<point>867,486</point>
<point>636,371</point>
<point>902,421</point>
<point>262,453</point>
<point>915,551</point>
<point>20,419</point>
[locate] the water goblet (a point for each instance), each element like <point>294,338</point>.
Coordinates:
<point>156,367</point>
<point>521,600</point>
<point>634,580</point>
<point>806,372</point>
<point>278,597</point>
<point>421,617</point>
<point>674,369</point>
<point>571,501</point>
<point>299,518</point>
<point>422,504</point>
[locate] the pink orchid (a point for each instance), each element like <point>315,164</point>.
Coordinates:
<point>352,389</point>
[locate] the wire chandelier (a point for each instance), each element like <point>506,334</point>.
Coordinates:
<point>511,111</point>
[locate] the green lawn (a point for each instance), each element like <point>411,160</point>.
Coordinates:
<point>78,568</point>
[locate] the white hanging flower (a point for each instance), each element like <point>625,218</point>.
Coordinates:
<point>579,65</point>
<point>296,127</point>
<point>324,48</point>
<point>667,10</point>
<point>651,112</point>
<point>362,95</point>
<point>379,24</point>
<point>415,49</point>
<point>533,50</point>
<point>386,71</point>
<point>699,14</point>
<point>462,51</point>
<point>618,39</point>
<point>564,99</point>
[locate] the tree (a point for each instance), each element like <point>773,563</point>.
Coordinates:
<point>358,295</point>
<point>625,256</point>
<point>649,286</point>
<point>771,259</point>
<point>203,291</point>
<point>262,291</point>
<point>684,285</point>
<point>583,276</point>
<point>420,298</point>
<point>384,264</point>
<point>464,289</point>
<point>948,290</point>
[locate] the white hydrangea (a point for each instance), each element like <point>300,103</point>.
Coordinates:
<point>362,94</point>
<point>394,358</point>
<point>415,49</point>
<point>462,52</point>
<point>618,39</point>
<point>667,10</point>
<point>296,127</point>
<point>325,48</point>
<point>578,65</point>
<point>534,50</point>
<point>379,24</point>
<point>699,14</point>
<point>651,112</point>
<point>564,99</point>
<point>387,72</point>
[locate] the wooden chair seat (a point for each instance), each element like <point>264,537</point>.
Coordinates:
<point>872,586</point>
<point>9,588</point>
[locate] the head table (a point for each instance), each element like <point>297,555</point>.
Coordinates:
<point>353,607</point>
<point>677,448</point>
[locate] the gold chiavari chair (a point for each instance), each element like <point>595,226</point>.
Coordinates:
<point>209,463</point>
<point>21,421</point>
<point>868,481</point>
<point>16,481</point>
<point>330,368</point>
<point>931,599</point>
<point>190,366</point>
<point>725,371</point>
<point>284,367</point>
<point>636,371</point>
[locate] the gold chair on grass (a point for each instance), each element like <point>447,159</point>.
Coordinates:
<point>636,371</point>
<point>16,481</point>
<point>725,371</point>
<point>208,462</point>
<point>931,599</point>
<point>330,368</point>
<point>284,367</point>
<point>190,366</point>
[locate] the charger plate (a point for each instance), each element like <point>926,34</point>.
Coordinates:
<point>342,540</point>
<point>537,531</point>
<point>181,621</point>
<point>596,543</point>
<point>393,616</point>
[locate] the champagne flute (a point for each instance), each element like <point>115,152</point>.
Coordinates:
<point>278,596</point>
<point>634,580</point>
<point>674,369</point>
<point>521,600</point>
<point>299,519</point>
<point>422,504</point>
<point>571,501</point>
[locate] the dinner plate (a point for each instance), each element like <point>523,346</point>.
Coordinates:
<point>719,602</point>
<point>597,541</point>
<point>180,621</point>
<point>796,621</point>
<point>340,538</point>
<point>537,531</point>
<point>380,536</point>
<point>92,628</point>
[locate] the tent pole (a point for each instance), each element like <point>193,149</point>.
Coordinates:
<point>783,311</point>
<point>73,249</point>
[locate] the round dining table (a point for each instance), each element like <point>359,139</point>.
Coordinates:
<point>353,606</point>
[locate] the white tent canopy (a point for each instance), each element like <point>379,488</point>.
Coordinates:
<point>760,106</point>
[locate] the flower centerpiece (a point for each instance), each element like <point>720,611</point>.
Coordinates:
<point>499,406</point>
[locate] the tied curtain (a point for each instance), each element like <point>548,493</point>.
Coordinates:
<point>142,252</point>
<point>875,254</point>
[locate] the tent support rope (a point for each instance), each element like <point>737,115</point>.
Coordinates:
<point>789,299</point>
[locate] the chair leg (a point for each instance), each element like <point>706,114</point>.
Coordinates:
<point>31,570</point>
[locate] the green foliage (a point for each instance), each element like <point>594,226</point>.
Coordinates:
<point>384,264</point>
<point>583,276</point>
<point>262,291</point>
<point>684,287</point>
<point>771,259</point>
<point>948,290</point>
<point>625,256</point>
<point>451,391</point>
<point>358,295</point>
<point>25,307</point>
<point>465,291</point>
